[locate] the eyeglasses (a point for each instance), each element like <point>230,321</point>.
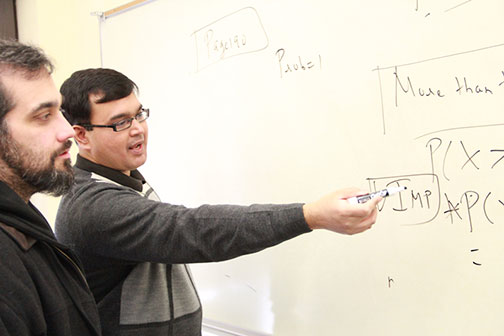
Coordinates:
<point>123,124</point>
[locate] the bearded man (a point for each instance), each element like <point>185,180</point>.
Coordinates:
<point>43,290</point>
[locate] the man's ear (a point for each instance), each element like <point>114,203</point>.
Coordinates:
<point>81,136</point>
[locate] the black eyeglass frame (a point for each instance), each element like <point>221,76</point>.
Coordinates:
<point>129,121</point>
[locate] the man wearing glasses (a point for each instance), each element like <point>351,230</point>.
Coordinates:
<point>134,247</point>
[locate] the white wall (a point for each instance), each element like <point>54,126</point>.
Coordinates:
<point>69,34</point>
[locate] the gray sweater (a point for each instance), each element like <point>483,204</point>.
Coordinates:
<point>134,247</point>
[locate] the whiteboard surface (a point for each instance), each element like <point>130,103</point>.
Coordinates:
<point>284,101</point>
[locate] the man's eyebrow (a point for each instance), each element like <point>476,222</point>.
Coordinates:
<point>119,116</point>
<point>43,106</point>
<point>123,115</point>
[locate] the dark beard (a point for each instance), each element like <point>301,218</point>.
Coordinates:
<point>29,166</point>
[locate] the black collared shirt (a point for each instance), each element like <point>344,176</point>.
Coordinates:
<point>135,180</point>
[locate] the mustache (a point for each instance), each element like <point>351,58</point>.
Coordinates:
<point>66,146</point>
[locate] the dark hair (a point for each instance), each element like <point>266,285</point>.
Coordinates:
<point>107,83</point>
<point>27,60</point>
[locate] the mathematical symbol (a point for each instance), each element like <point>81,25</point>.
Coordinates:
<point>475,263</point>
<point>497,150</point>
<point>470,158</point>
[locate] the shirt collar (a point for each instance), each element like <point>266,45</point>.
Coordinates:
<point>135,180</point>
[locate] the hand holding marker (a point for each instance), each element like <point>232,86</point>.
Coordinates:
<point>383,193</point>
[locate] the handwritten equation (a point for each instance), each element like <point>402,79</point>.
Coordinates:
<point>297,63</point>
<point>461,192</point>
<point>423,201</point>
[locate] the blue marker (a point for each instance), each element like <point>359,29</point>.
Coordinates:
<point>383,193</point>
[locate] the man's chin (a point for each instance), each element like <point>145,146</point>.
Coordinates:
<point>61,183</point>
<point>140,161</point>
<point>63,165</point>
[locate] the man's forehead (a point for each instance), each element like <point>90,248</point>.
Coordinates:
<point>31,91</point>
<point>9,70</point>
<point>17,74</point>
<point>97,97</point>
<point>110,110</point>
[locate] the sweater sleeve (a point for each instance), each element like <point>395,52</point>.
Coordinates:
<point>117,222</point>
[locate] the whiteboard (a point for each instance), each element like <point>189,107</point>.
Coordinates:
<point>283,101</point>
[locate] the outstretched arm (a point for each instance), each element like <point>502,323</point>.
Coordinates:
<point>333,212</point>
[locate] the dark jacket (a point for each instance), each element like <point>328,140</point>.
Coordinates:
<point>42,288</point>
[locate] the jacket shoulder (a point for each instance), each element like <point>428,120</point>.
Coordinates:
<point>23,240</point>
